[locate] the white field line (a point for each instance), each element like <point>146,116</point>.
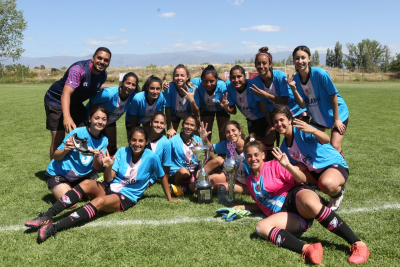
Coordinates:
<point>195,220</point>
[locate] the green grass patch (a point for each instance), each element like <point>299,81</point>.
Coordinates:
<point>158,233</point>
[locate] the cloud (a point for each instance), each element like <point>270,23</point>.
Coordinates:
<point>195,45</point>
<point>323,49</point>
<point>27,38</point>
<point>167,15</point>
<point>262,28</point>
<point>111,38</point>
<point>151,44</point>
<point>236,2</point>
<point>123,30</point>
<point>106,41</point>
<point>253,47</point>
<point>175,33</point>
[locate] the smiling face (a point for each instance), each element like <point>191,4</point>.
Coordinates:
<point>137,142</point>
<point>180,77</point>
<point>232,133</point>
<point>189,126</point>
<point>254,158</point>
<point>281,123</point>
<point>301,60</point>
<point>100,61</point>
<point>154,90</point>
<point>98,121</point>
<point>158,124</point>
<point>263,64</point>
<point>209,82</point>
<point>128,86</point>
<point>238,79</point>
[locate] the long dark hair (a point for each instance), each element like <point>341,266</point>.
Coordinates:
<point>193,117</point>
<point>209,70</point>
<point>141,130</point>
<point>151,79</point>
<point>301,48</point>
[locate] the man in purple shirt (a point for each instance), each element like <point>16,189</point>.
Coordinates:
<point>63,100</point>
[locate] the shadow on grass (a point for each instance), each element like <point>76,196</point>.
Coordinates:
<point>41,175</point>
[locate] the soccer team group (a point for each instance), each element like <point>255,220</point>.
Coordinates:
<point>280,180</point>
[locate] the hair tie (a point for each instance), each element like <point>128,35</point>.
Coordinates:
<point>261,53</point>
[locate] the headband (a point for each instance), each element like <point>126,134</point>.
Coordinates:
<point>270,59</point>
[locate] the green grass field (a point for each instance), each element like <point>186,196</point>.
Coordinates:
<point>158,233</point>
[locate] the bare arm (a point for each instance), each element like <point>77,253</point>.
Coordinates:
<point>262,93</point>
<point>170,128</point>
<point>59,154</point>
<point>335,108</point>
<point>68,122</point>
<point>298,175</point>
<point>292,84</point>
<point>322,137</point>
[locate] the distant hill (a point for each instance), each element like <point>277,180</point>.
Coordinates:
<point>159,59</point>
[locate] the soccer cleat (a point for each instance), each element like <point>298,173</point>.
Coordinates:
<point>45,232</point>
<point>81,145</point>
<point>314,253</point>
<point>334,203</point>
<point>177,190</point>
<point>360,254</point>
<point>39,221</point>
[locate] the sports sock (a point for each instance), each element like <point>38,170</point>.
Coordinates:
<point>85,213</point>
<point>69,199</point>
<point>331,221</point>
<point>283,238</point>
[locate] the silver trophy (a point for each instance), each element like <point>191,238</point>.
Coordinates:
<point>231,166</point>
<point>201,155</point>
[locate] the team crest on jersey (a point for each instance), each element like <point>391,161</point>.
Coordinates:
<point>296,155</point>
<point>66,199</point>
<point>308,91</point>
<point>85,84</point>
<point>333,224</point>
<point>74,215</point>
<point>122,197</point>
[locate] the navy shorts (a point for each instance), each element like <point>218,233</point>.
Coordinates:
<point>259,126</point>
<point>346,122</point>
<point>220,113</point>
<point>344,171</point>
<point>55,118</point>
<point>125,202</point>
<point>54,180</point>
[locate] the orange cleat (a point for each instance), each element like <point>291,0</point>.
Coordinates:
<point>314,253</point>
<point>360,254</point>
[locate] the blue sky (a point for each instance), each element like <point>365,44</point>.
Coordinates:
<point>78,27</point>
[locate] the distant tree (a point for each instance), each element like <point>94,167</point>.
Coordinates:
<point>289,61</point>
<point>367,55</point>
<point>338,56</point>
<point>315,59</point>
<point>252,60</point>
<point>283,62</point>
<point>12,25</point>
<point>328,61</point>
<point>386,59</point>
<point>36,68</point>
<point>351,60</point>
<point>395,64</point>
<point>42,67</point>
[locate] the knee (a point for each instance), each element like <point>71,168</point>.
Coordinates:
<point>328,185</point>
<point>263,229</point>
<point>337,146</point>
<point>219,160</point>
<point>98,202</point>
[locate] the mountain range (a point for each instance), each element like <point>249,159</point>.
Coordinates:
<point>159,59</point>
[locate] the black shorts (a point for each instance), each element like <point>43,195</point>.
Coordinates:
<point>304,116</point>
<point>346,122</point>
<point>114,124</point>
<point>175,118</point>
<point>54,180</point>
<point>290,206</point>
<point>221,113</point>
<point>259,126</point>
<point>55,118</point>
<point>344,171</point>
<point>171,179</point>
<point>125,202</point>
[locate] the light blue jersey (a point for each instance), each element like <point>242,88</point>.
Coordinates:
<point>316,93</point>
<point>140,108</point>
<point>162,147</point>
<point>278,87</point>
<point>210,102</point>
<point>181,155</point>
<point>245,101</point>
<point>109,97</point>
<point>74,165</point>
<point>132,178</point>
<point>244,169</point>
<point>307,149</point>
<point>180,106</point>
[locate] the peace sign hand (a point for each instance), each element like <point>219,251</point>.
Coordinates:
<point>291,83</point>
<point>281,157</point>
<point>303,126</point>
<point>107,160</point>
<point>190,95</point>
<point>259,92</point>
<point>225,102</point>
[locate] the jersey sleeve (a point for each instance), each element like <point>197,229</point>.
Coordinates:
<point>197,97</point>
<point>160,103</point>
<point>134,109</point>
<point>167,97</point>
<point>167,161</point>
<point>196,81</point>
<point>104,144</point>
<point>230,99</point>
<point>326,82</point>
<point>219,148</point>
<point>101,97</point>
<point>117,159</point>
<point>156,166</point>
<point>283,85</point>
<point>75,76</point>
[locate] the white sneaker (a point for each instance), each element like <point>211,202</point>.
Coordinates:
<point>334,203</point>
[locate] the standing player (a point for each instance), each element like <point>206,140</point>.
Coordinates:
<point>126,177</point>
<point>271,88</point>
<point>211,91</point>
<point>69,167</point>
<point>145,104</point>
<point>116,99</point>
<point>291,206</point>
<point>309,148</point>
<point>63,100</point>
<point>313,88</point>
<point>181,99</point>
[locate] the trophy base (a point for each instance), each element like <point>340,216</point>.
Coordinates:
<point>204,195</point>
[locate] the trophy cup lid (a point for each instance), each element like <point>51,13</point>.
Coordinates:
<point>197,148</point>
